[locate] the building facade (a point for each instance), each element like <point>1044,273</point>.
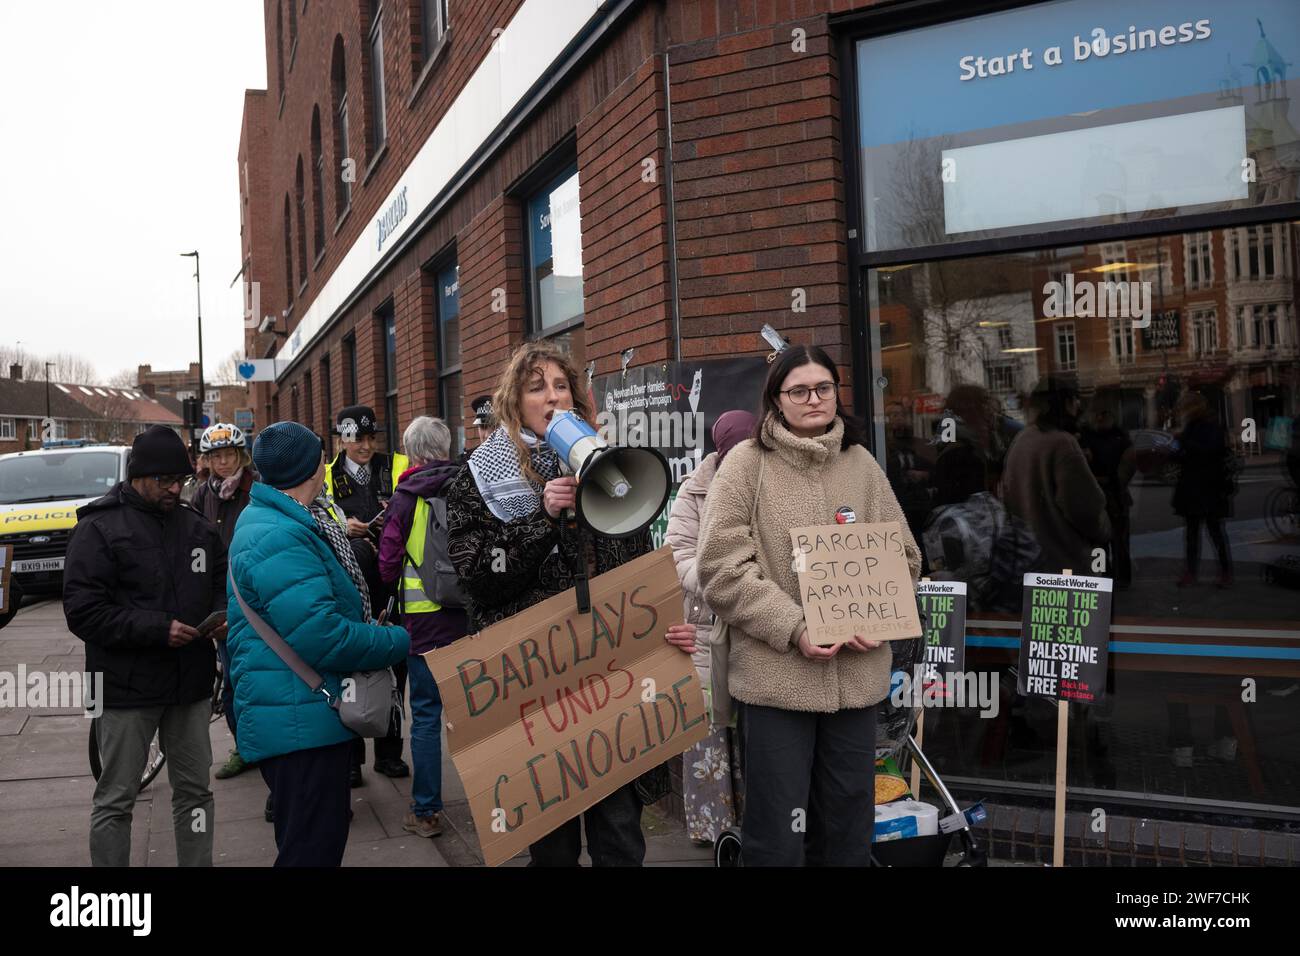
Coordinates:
<point>425,184</point>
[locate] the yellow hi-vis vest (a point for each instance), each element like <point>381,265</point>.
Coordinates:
<point>414,598</point>
<point>397,464</point>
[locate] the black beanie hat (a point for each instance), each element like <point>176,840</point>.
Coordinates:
<point>286,454</point>
<point>158,451</point>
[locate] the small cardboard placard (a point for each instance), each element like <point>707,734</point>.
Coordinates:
<point>550,711</point>
<point>943,607</point>
<point>854,580</point>
<point>1065,637</point>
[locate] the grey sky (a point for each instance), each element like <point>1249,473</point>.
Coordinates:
<point>120,125</point>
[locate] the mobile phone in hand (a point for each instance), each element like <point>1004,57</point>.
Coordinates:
<point>211,623</point>
<point>387,612</point>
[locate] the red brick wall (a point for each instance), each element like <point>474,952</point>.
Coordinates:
<point>758,177</point>
<point>627,297</point>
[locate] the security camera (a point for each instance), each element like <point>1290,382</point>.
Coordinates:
<point>268,322</point>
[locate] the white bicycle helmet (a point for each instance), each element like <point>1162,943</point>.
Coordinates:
<point>221,435</point>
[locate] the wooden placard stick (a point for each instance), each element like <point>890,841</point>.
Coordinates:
<point>1062,740</point>
<point>920,733</point>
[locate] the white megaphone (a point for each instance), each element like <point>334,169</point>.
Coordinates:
<point>620,490</point>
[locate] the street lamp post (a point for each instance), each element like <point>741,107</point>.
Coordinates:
<point>47,401</point>
<point>203,395</point>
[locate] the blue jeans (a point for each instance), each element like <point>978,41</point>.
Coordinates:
<point>426,738</point>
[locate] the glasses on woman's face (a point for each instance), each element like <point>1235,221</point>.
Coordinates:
<point>800,394</point>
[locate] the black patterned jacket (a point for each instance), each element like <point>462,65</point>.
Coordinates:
<point>507,568</point>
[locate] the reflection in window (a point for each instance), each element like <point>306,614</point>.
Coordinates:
<point>447,303</point>
<point>1121,340</point>
<point>555,253</point>
<point>1155,485</point>
<point>1205,332</point>
<point>1066,353</point>
<point>1200,261</point>
<point>971,338</point>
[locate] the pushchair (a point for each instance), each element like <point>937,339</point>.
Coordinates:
<point>894,726</point>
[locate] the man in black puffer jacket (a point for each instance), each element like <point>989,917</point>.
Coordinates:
<point>142,571</point>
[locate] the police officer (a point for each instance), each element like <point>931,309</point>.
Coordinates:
<point>360,480</point>
<point>483,416</point>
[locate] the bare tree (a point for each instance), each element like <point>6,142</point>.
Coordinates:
<point>65,367</point>
<point>126,378</point>
<point>227,372</point>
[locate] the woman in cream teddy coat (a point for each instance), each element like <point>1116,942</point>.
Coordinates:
<point>808,712</point>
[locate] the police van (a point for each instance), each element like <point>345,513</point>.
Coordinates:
<point>40,492</point>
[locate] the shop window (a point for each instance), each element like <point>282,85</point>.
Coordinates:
<point>288,251</point>
<point>309,402</point>
<point>350,370</point>
<point>300,192</point>
<point>279,49</point>
<point>1134,407</point>
<point>1152,128</point>
<point>317,183</point>
<point>389,322</point>
<point>433,25</point>
<point>340,174</point>
<point>450,394</point>
<point>554,235</point>
<point>378,122</point>
<point>326,392</point>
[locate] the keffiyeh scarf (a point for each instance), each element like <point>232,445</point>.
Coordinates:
<point>507,492</point>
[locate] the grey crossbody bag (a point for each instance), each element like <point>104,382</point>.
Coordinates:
<point>369,698</point>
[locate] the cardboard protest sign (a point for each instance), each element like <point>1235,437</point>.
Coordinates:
<point>1065,637</point>
<point>943,606</point>
<point>854,579</point>
<point>550,711</point>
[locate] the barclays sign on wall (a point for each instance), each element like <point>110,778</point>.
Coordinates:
<point>393,215</point>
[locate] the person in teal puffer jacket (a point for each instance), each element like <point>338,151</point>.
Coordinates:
<point>293,566</point>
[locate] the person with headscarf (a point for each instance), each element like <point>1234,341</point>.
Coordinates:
<point>710,769</point>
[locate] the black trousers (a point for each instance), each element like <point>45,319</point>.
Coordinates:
<point>388,747</point>
<point>614,836</point>
<point>1218,537</point>
<point>809,787</point>
<point>312,798</point>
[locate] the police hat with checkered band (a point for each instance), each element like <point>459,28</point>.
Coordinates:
<point>354,421</point>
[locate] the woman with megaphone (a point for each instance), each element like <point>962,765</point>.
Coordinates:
<point>506,512</point>
<point>807,712</point>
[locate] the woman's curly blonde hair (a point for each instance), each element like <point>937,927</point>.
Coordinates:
<point>507,401</point>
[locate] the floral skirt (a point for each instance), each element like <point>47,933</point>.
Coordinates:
<point>712,784</point>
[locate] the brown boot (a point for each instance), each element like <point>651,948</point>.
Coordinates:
<point>430,826</point>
